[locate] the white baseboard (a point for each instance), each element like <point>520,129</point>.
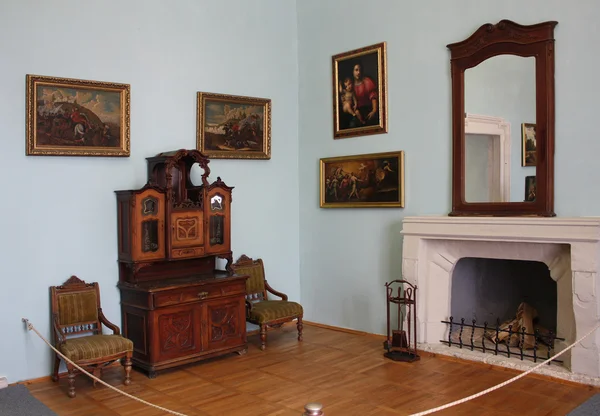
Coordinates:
<point>3,382</point>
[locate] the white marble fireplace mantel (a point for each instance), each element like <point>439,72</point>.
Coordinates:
<point>570,247</point>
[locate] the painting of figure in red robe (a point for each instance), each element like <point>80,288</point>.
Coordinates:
<point>71,117</point>
<point>360,92</point>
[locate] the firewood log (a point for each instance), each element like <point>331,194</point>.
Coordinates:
<point>525,316</point>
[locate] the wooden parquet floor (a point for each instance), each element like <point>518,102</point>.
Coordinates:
<point>347,373</point>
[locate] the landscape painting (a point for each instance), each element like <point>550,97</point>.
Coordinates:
<point>529,152</point>
<point>233,127</point>
<point>363,181</point>
<point>71,117</point>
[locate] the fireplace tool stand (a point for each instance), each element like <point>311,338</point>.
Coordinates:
<point>401,344</point>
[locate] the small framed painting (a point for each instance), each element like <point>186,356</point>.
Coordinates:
<point>530,188</point>
<point>360,92</point>
<point>74,117</point>
<point>362,181</point>
<point>233,127</point>
<point>529,152</point>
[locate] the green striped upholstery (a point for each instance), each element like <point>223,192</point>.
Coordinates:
<point>256,282</point>
<point>270,310</point>
<point>95,346</point>
<point>76,308</point>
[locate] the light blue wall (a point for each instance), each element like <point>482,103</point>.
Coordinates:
<point>58,214</point>
<point>477,148</point>
<point>346,255</point>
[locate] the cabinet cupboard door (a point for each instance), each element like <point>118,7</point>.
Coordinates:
<point>217,221</point>
<point>179,331</point>
<point>187,234</point>
<point>226,322</point>
<point>148,213</point>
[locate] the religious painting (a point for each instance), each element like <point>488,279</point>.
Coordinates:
<point>530,188</point>
<point>529,144</point>
<point>73,117</point>
<point>363,181</point>
<point>233,127</point>
<point>360,92</point>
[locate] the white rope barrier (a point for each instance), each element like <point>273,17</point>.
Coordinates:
<point>496,387</point>
<point>32,328</point>
<point>426,412</point>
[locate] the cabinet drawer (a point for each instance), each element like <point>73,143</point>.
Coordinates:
<point>192,252</point>
<point>174,297</point>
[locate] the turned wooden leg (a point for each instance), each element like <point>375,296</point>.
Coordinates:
<point>56,366</point>
<point>127,365</point>
<point>96,373</point>
<point>299,326</point>
<point>263,336</point>
<point>71,371</point>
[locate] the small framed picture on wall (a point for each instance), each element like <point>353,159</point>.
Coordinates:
<point>530,188</point>
<point>529,152</point>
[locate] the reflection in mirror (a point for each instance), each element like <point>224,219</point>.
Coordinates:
<point>487,159</point>
<point>196,173</point>
<point>503,89</point>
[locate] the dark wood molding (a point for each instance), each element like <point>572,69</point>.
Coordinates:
<point>506,37</point>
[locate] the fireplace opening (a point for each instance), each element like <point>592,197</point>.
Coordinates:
<point>504,307</point>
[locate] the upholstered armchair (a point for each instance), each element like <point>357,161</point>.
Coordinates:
<point>260,310</point>
<point>77,321</point>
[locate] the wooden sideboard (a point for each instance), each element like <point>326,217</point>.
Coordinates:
<point>176,306</point>
<point>179,321</point>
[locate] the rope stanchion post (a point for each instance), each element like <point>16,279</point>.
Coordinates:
<point>313,409</point>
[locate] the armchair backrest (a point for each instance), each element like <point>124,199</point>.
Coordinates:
<point>255,284</point>
<point>75,307</point>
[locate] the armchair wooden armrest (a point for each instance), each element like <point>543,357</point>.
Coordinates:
<point>107,323</point>
<point>60,338</point>
<point>283,296</point>
<point>248,306</point>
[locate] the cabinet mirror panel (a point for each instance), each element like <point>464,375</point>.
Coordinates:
<point>499,99</point>
<point>503,120</point>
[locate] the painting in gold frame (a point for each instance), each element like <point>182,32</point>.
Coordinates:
<point>233,126</point>
<point>529,145</point>
<point>360,92</point>
<point>74,117</point>
<point>362,181</point>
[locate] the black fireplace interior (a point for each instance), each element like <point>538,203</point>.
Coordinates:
<point>506,307</point>
<point>492,289</point>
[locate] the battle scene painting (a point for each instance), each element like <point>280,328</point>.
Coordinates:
<point>233,127</point>
<point>69,117</point>
<point>372,180</point>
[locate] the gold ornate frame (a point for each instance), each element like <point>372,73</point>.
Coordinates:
<point>371,179</point>
<point>345,62</point>
<point>100,133</point>
<point>524,127</point>
<point>236,135</point>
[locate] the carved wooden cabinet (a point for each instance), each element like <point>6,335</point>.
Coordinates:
<point>177,308</point>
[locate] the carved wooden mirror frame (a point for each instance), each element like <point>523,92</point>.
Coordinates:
<point>490,40</point>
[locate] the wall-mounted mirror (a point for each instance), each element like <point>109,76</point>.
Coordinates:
<point>503,121</point>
